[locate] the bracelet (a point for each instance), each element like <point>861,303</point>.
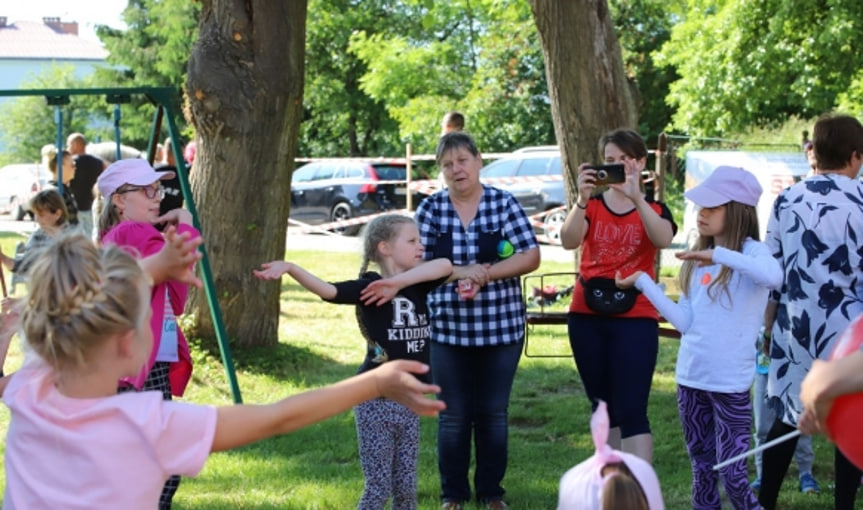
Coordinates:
<point>577,204</point>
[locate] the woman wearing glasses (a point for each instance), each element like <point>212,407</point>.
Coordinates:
<point>131,192</point>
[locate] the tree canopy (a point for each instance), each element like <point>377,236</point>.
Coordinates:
<point>749,63</point>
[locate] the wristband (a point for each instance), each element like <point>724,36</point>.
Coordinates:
<point>577,204</point>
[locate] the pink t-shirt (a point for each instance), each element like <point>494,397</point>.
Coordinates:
<point>112,452</point>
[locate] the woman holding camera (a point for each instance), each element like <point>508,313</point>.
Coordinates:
<point>614,333</point>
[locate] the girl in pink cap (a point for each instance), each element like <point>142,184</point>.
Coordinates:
<point>725,282</point>
<point>131,192</point>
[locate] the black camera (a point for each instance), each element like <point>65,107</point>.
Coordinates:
<point>613,173</point>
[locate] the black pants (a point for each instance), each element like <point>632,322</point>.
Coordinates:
<point>775,462</point>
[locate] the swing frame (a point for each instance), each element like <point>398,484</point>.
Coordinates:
<point>162,98</point>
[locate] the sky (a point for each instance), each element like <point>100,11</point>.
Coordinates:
<point>88,13</point>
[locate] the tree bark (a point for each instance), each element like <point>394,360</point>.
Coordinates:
<point>245,89</point>
<point>590,93</point>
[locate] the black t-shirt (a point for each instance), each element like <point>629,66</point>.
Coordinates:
<point>173,194</point>
<point>87,170</point>
<point>395,330</point>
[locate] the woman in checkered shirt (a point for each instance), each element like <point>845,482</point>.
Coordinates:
<point>477,324</point>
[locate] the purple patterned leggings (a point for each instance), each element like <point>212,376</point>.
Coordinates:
<point>717,426</point>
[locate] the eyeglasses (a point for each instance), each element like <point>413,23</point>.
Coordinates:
<point>150,191</point>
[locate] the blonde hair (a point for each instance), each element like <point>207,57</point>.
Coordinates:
<point>381,229</point>
<point>78,297</point>
<point>741,221</point>
<point>49,200</point>
<point>621,489</point>
<point>108,215</point>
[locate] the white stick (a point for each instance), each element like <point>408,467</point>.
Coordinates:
<point>780,439</point>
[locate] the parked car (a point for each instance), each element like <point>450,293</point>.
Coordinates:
<point>536,196</point>
<point>334,190</point>
<point>18,184</point>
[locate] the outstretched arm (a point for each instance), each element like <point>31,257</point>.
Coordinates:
<point>825,381</point>
<point>176,259</point>
<point>274,270</point>
<point>243,424</point>
<point>382,291</point>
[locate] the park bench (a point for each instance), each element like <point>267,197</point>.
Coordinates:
<point>543,315</point>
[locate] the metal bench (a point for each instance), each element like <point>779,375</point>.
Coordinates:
<point>545,316</point>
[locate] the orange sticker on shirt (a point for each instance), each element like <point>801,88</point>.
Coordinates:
<point>705,279</point>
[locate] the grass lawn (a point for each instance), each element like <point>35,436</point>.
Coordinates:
<point>318,468</point>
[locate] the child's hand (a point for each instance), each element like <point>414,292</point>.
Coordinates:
<point>10,315</point>
<point>816,407</point>
<point>272,270</point>
<point>628,282</point>
<point>395,381</point>
<point>175,217</point>
<point>703,257</point>
<point>176,260</point>
<point>379,292</point>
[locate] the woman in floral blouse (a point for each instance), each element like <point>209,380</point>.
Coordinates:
<point>816,233</point>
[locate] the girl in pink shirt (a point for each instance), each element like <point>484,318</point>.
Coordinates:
<point>73,441</point>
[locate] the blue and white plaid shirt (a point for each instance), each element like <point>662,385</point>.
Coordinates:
<point>496,315</point>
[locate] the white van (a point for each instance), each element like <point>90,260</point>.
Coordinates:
<point>775,171</point>
<point>18,184</point>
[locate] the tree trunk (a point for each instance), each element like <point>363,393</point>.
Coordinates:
<point>245,89</point>
<point>590,93</point>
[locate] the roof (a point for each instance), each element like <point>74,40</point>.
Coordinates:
<point>34,40</point>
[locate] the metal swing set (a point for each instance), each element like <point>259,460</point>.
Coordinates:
<point>162,98</point>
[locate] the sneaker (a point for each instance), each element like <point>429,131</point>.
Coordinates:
<point>451,505</point>
<point>496,504</point>
<point>808,485</point>
<point>756,484</point>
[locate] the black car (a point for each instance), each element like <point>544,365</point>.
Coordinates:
<point>335,190</point>
<point>513,173</point>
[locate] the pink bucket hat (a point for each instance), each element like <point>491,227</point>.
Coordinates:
<point>581,486</point>
<point>136,172</point>
<point>726,184</point>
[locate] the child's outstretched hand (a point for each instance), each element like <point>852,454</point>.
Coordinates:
<point>628,282</point>
<point>176,260</point>
<point>703,257</point>
<point>272,270</point>
<point>10,315</point>
<point>395,381</point>
<point>175,217</point>
<point>379,292</point>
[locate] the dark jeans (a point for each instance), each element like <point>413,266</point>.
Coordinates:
<point>475,384</point>
<point>615,358</point>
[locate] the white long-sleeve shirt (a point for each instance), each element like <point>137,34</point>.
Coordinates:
<point>717,346</point>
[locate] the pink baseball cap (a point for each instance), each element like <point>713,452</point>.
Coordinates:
<point>581,486</point>
<point>726,184</point>
<point>136,172</point>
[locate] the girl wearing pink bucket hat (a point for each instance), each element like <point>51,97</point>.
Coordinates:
<point>132,192</point>
<point>725,280</point>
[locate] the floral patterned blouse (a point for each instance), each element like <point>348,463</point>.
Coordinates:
<point>816,233</point>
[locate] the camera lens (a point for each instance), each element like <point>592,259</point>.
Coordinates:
<point>602,175</point>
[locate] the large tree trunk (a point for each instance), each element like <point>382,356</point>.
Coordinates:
<point>590,93</point>
<point>245,88</point>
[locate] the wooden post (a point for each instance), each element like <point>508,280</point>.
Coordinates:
<point>659,185</point>
<point>410,196</point>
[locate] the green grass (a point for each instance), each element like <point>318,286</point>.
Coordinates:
<point>318,468</point>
